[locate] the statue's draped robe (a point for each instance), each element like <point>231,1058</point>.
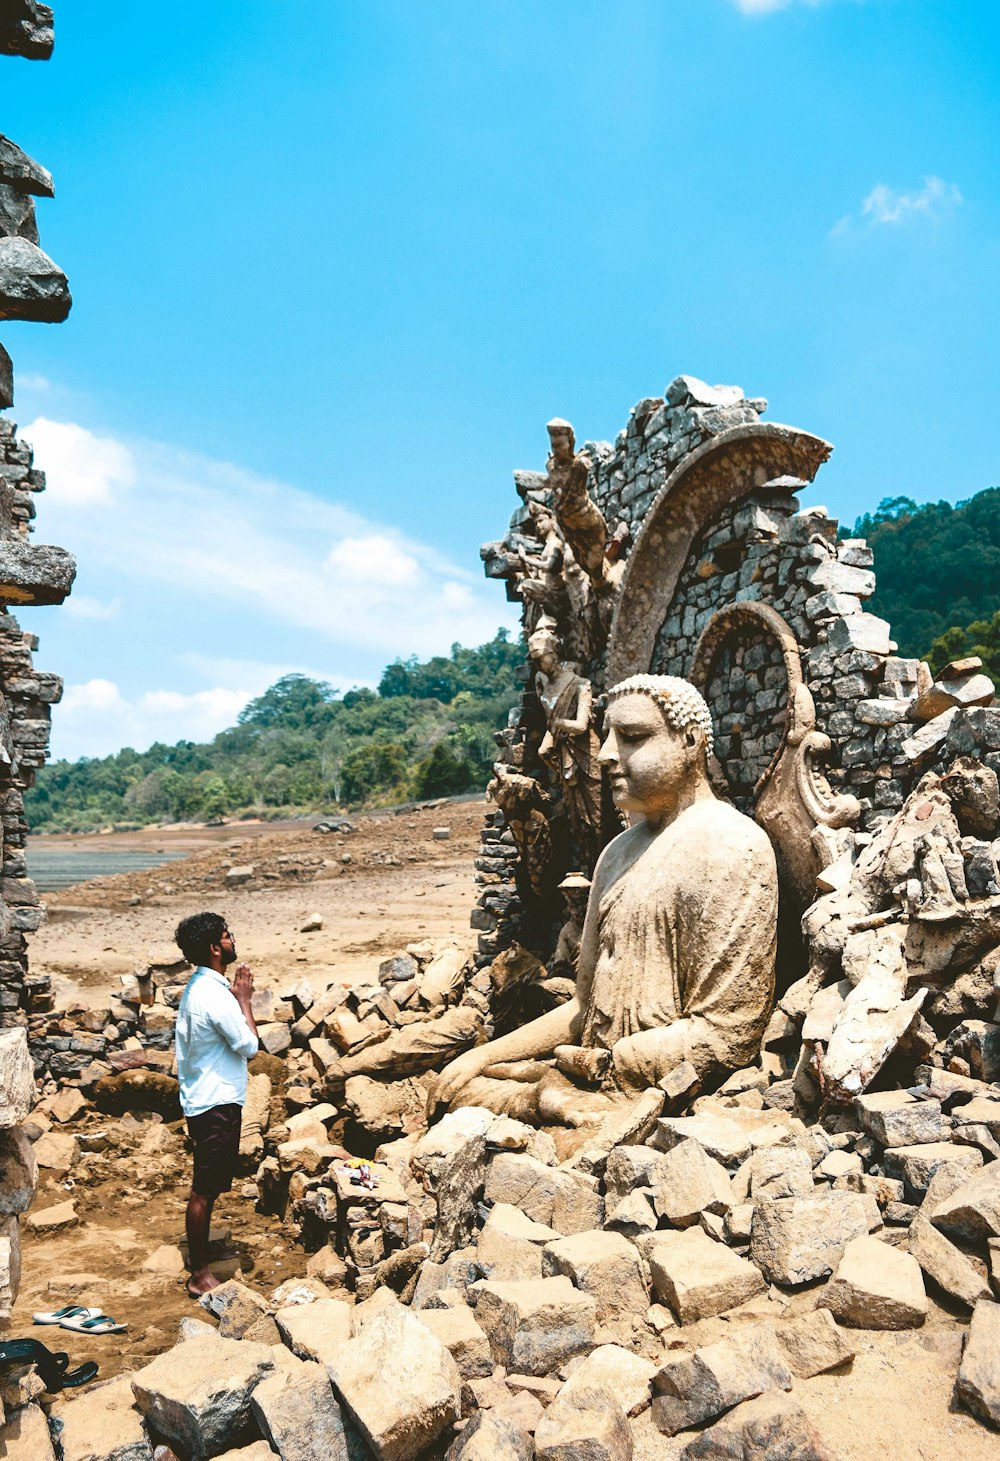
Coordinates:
<point>685,932</point>
<point>677,957</point>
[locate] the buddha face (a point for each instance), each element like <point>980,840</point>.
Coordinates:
<point>649,763</point>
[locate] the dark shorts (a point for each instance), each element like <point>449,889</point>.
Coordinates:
<point>216,1137</point>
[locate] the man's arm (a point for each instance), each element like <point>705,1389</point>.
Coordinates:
<point>237,1025</point>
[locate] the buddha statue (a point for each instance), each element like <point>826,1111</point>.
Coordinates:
<point>677,955</point>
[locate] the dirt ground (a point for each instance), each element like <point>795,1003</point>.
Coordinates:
<point>401,885</point>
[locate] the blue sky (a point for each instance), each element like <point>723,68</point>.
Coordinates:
<point>334,268</point>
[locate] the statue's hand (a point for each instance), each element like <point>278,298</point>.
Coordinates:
<point>455,1075</point>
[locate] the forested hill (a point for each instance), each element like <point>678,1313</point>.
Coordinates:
<point>301,746</point>
<point>937,571</point>
<point>428,730</point>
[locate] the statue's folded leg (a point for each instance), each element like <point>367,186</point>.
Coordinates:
<point>551,1100</point>
<point>518,1099</point>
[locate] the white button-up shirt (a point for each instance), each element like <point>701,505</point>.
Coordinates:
<point>214,1043</point>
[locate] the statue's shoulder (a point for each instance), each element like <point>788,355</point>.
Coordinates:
<point>724,831</point>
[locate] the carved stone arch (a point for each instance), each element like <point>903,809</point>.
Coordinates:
<point>723,470</point>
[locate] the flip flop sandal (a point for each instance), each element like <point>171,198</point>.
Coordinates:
<point>93,1324</point>
<point>52,1368</point>
<point>68,1311</point>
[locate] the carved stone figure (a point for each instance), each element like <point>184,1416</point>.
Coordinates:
<point>570,745</point>
<point>565,957</point>
<point>677,956</point>
<point>578,515</point>
<point>523,803</point>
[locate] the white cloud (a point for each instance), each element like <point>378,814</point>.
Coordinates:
<point>935,198</point>
<point>374,559</point>
<point>30,380</point>
<point>172,523</point>
<point>205,583</point>
<point>98,718</point>
<point>84,606</point>
<point>80,467</point>
<point>768,7</point>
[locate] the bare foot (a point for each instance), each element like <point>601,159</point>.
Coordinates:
<point>201,1282</point>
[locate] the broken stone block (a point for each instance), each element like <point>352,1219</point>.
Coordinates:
<point>629,1167</point>
<point>66,1105</point>
<point>916,1165</point>
<point>399,1383</point>
<point>696,1276</point>
<point>510,1244</point>
<point>10,1264</point>
<point>299,1415</point>
<point>17,1078</point>
<point>946,1264</point>
<point>877,1287</point>
<point>774,1427</point>
<point>897,1119</point>
<point>628,1376</point>
<point>57,1152</point>
<point>535,1325</point>
<point>784,1171</point>
<point>978,1383</point>
<point>18,1172</point>
<point>604,1265</point>
<point>327,1265</point>
<point>633,1216</point>
<point>687,1182</point>
<point>796,1239</point>
<point>633,1123</point>
<point>315,1331</point>
<point>101,1422</point>
<point>973,1209</point>
<point>235,1306</point>
<point>465,1341</point>
<point>198,1393</point>
<point>584,1423</point>
<point>25,1437</point>
<point>451,1161</point>
<point>55,1219</point>
<point>812,1344</point>
<point>492,1435</point>
<point>566,1201</point>
<point>698,1387</point>
<point>32,286</point>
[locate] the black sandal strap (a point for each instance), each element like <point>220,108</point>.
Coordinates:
<point>52,1367</point>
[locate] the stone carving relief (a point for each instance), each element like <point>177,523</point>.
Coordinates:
<point>570,744</point>
<point>525,806</point>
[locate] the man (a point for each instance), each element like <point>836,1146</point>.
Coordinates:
<point>216,1036</point>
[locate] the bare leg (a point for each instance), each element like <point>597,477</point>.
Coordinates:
<point>198,1223</point>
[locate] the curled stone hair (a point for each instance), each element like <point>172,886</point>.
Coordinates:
<point>681,703</point>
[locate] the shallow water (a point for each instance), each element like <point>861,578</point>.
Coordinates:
<point>55,868</point>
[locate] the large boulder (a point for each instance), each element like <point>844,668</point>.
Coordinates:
<point>399,1383</point>
<point>698,1277</point>
<point>102,1423</point>
<point>297,1411</point>
<point>564,1200</point>
<point>198,1393</point>
<point>604,1265</point>
<point>877,1287</point>
<point>978,1383</point>
<point>18,1172</point>
<point>315,1331</point>
<point>774,1427</point>
<point>698,1387</point>
<point>17,1078</point>
<point>796,1239</point>
<point>535,1325</point>
<point>584,1425</point>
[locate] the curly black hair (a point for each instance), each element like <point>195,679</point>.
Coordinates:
<point>196,935</point>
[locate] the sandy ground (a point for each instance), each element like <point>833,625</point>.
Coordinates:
<point>894,1403</point>
<point>400,886</point>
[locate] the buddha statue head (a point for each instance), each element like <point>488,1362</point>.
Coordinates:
<point>658,737</point>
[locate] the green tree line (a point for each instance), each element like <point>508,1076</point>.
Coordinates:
<point>303,746</point>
